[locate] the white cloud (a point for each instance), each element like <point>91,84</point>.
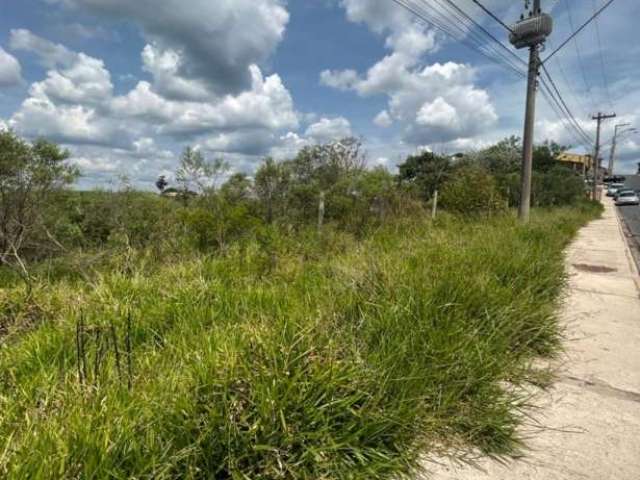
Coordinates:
<point>10,70</point>
<point>329,129</point>
<point>217,40</point>
<point>438,114</point>
<point>248,142</point>
<point>288,146</point>
<point>40,117</point>
<point>165,67</point>
<point>268,104</point>
<point>383,119</point>
<point>341,80</point>
<point>76,104</point>
<point>85,81</point>
<point>49,53</point>
<point>435,103</point>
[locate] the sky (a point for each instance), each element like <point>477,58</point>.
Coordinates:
<point>126,85</point>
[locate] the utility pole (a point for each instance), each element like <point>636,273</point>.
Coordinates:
<point>530,32</point>
<point>612,158</point>
<point>527,139</point>
<point>596,159</point>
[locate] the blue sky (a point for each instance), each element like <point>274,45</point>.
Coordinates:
<point>125,86</point>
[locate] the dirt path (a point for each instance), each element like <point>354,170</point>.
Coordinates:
<point>593,412</point>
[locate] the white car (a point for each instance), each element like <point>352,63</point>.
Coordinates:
<point>628,198</point>
<point>613,188</point>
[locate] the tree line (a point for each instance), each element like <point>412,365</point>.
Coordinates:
<point>323,187</point>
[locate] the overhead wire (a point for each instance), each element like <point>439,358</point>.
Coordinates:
<point>578,52</point>
<point>458,24</point>
<point>584,25</point>
<point>492,15</point>
<point>603,68</point>
<point>458,31</point>
<point>566,109</point>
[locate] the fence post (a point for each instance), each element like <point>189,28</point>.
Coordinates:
<point>434,211</point>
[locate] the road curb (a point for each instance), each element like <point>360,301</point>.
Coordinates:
<point>633,257</point>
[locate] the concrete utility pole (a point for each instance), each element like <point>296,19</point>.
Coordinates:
<point>530,32</point>
<point>612,158</point>
<point>527,139</point>
<point>596,159</point>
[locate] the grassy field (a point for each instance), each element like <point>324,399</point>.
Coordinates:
<point>313,358</point>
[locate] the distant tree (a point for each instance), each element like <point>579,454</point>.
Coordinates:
<point>237,189</point>
<point>271,186</point>
<point>503,158</point>
<point>29,175</point>
<point>426,171</point>
<point>545,156</point>
<point>320,169</point>
<point>472,191</point>
<point>197,173</point>
<point>162,183</point>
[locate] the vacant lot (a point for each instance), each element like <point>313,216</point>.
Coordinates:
<point>313,358</point>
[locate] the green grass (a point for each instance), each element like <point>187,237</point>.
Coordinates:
<point>320,359</point>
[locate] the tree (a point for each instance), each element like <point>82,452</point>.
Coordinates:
<point>29,175</point>
<point>319,170</point>
<point>195,172</point>
<point>271,186</point>
<point>503,158</point>
<point>426,171</point>
<point>162,183</point>
<point>545,156</point>
<point>472,191</point>
<point>237,189</point>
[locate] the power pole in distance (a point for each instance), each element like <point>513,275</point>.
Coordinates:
<point>530,32</point>
<point>596,159</point>
<point>612,157</point>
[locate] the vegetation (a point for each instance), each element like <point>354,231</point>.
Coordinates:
<point>312,323</point>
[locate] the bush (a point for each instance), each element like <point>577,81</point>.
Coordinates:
<point>352,364</point>
<point>472,191</point>
<point>558,186</point>
<point>213,226</point>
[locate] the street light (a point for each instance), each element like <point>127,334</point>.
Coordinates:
<point>612,157</point>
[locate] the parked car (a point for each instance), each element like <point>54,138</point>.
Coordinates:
<point>620,191</point>
<point>615,179</point>
<point>628,198</point>
<point>613,188</point>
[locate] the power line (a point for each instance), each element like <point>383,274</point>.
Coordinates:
<point>567,121</point>
<point>602,65</point>
<point>478,31</point>
<point>489,34</point>
<point>578,54</point>
<point>457,32</point>
<point>557,110</point>
<point>488,12</point>
<point>565,77</point>
<point>448,17</point>
<point>572,119</point>
<point>593,17</point>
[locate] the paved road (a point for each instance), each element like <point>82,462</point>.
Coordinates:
<point>631,216</point>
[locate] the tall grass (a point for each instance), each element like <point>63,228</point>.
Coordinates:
<point>325,359</point>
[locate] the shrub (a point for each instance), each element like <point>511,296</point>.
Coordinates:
<point>472,191</point>
<point>558,186</point>
<point>351,364</point>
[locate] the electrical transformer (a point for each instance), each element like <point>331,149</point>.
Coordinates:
<point>531,31</point>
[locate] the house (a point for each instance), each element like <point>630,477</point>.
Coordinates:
<point>579,163</point>
<point>176,193</point>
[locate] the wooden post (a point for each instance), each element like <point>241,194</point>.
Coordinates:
<point>434,211</point>
<point>321,211</point>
